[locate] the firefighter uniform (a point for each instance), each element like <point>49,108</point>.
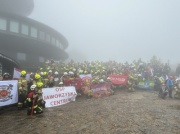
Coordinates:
<point>34,102</point>
<point>56,79</point>
<point>131,83</point>
<point>45,80</point>
<point>22,90</point>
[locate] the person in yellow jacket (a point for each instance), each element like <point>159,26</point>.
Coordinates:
<point>39,92</point>
<point>39,87</point>
<point>45,80</point>
<point>37,78</point>
<point>131,83</point>
<point>22,90</point>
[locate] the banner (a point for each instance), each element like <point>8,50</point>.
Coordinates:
<point>118,79</point>
<point>86,78</point>
<point>77,83</point>
<point>146,85</point>
<point>101,90</point>
<point>17,74</point>
<point>8,92</point>
<point>58,95</point>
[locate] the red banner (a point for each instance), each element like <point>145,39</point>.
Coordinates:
<point>101,90</point>
<point>118,79</point>
<point>76,82</point>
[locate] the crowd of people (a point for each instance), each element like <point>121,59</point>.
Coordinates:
<point>60,74</point>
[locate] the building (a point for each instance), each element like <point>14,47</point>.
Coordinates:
<point>24,42</point>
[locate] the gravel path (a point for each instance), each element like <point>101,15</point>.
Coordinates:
<point>140,112</point>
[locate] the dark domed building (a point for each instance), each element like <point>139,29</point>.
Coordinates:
<point>24,42</point>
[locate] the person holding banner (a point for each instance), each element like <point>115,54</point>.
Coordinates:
<point>67,80</point>
<point>61,84</point>
<point>56,79</point>
<point>22,90</point>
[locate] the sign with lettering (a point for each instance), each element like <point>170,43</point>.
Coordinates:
<point>59,95</point>
<point>118,79</point>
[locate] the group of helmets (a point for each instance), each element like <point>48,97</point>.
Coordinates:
<point>50,71</point>
<point>68,73</point>
<point>38,85</point>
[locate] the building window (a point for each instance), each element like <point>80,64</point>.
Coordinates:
<point>33,32</point>
<point>14,26</point>
<point>47,37</point>
<point>41,35</point>
<point>21,56</point>
<point>53,41</point>
<point>41,59</point>
<point>3,24</point>
<point>57,43</point>
<point>60,45</point>
<point>24,29</point>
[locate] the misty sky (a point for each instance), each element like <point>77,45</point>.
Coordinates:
<point>121,30</point>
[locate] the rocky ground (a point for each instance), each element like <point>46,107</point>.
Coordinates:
<point>140,112</point>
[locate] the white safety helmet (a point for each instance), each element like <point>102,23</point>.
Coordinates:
<point>50,71</point>
<point>65,73</point>
<point>42,73</point>
<point>71,73</point>
<point>177,79</point>
<point>61,83</point>
<point>33,87</point>
<point>56,72</point>
<point>101,80</point>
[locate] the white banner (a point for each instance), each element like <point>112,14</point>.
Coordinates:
<point>58,95</point>
<point>8,92</point>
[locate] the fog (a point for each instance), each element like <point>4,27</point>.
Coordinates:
<point>121,30</point>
